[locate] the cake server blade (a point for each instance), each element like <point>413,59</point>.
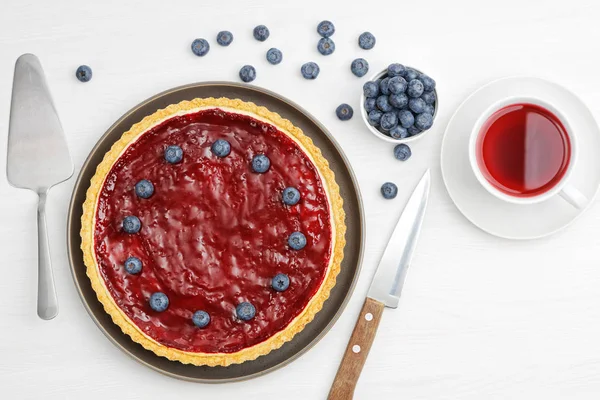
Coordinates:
<point>37,159</point>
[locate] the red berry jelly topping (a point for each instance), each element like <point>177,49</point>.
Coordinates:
<point>214,233</point>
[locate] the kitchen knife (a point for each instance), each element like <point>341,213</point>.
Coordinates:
<point>384,291</point>
<point>38,158</point>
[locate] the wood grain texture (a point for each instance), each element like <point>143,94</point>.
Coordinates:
<point>357,350</point>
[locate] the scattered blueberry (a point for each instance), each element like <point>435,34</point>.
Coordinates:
<point>398,100</point>
<point>428,83</point>
<point>247,73</point>
<point>159,302</point>
<point>375,117</point>
<point>370,104</point>
<point>297,240</point>
<point>415,88</point>
<point>173,154</point>
<point>429,109</point>
<point>261,163</point>
<point>396,70</point>
<point>310,70</point>
<point>366,41</point>
<point>383,103</point>
<point>389,190</point>
<point>261,33</point>
<point>144,189</point>
<point>245,311</point>
<point>344,112</point>
<point>359,67</point>
<point>399,132</point>
<point>326,46</point>
<point>274,56</point>
<point>410,74</point>
<point>406,118</point>
<point>200,47</point>
<point>290,196</point>
<point>389,121</point>
<point>413,130</point>
<point>224,38</point>
<point>397,85</point>
<point>402,152</point>
<point>384,86</point>
<point>325,28</point>
<point>133,265</point>
<point>428,97</point>
<point>201,319</point>
<point>221,148</point>
<point>280,282</point>
<point>83,73</point>
<point>132,224</point>
<point>424,121</point>
<point>417,105</point>
<point>370,89</point>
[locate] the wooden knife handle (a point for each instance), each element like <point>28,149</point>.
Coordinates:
<point>357,351</point>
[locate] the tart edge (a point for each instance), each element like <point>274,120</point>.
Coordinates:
<point>315,303</point>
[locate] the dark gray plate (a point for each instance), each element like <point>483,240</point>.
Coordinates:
<point>352,253</point>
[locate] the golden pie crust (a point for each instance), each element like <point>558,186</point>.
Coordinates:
<point>315,303</point>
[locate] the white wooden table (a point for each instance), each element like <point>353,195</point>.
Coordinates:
<point>480,317</point>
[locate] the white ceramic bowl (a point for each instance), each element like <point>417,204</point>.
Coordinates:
<point>376,131</point>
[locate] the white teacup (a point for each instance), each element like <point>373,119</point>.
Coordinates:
<point>562,187</point>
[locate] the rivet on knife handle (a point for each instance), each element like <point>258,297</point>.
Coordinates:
<point>357,351</point>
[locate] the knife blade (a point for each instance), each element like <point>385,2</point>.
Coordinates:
<point>37,159</point>
<point>389,276</point>
<point>384,291</point>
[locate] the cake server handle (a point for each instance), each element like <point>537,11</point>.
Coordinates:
<point>47,302</point>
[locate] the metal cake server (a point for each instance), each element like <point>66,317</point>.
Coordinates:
<point>38,158</point>
<point>384,291</point>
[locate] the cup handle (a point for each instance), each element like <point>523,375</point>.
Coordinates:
<point>573,197</point>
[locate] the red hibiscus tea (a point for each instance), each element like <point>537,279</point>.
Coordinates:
<point>523,150</point>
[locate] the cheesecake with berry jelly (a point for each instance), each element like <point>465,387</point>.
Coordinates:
<point>213,231</point>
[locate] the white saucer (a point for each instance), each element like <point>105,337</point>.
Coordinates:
<point>493,215</point>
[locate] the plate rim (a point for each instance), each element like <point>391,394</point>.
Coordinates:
<point>71,213</point>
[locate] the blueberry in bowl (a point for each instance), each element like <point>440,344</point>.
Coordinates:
<point>388,121</point>
<point>370,104</point>
<point>371,89</point>
<point>399,104</point>
<point>383,103</point>
<point>398,101</point>
<point>406,118</point>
